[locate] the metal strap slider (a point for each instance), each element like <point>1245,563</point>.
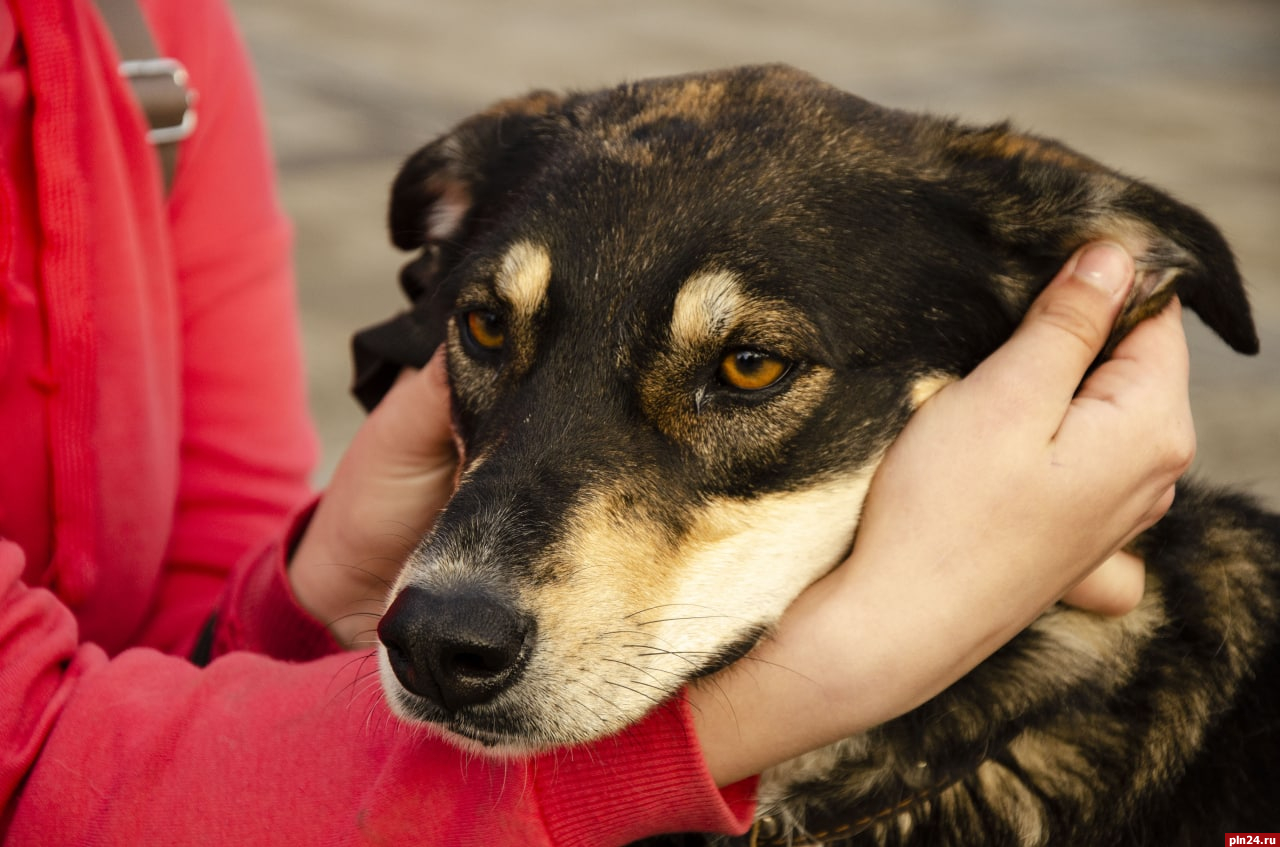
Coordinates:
<point>162,88</point>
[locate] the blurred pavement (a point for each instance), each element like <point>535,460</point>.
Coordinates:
<point>1183,94</point>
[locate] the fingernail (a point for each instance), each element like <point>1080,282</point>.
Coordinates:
<point>1105,266</point>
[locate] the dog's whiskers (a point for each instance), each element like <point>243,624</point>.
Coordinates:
<point>668,606</point>
<point>648,697</point>
<point>646,671</point>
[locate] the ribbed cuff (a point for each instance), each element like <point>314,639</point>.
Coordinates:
<point>260,613</point>
<point>656,782</point>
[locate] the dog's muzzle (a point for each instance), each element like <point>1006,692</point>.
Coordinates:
<point>455,649</point>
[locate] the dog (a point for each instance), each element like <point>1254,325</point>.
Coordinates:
<point>684,318</point>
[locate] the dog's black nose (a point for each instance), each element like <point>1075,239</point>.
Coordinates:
<point>454,649</point>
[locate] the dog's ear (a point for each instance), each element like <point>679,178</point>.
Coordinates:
<point>439,188</point>
<point>441,199</point>
<point>1039,201</point>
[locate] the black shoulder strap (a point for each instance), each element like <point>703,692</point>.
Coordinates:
<point>159,83</point>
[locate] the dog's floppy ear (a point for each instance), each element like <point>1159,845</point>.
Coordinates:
<point>1039,201</point>
<point>440,201</point>
<point>440,186</point>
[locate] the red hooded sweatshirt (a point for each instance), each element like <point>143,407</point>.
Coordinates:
<point>153,443</point>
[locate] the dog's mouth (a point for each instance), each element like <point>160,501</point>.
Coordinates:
<point>471,731</point>
<point>492,742</point>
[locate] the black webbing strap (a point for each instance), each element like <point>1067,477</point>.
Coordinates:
<point>159,82</point>
<point>202,650</point>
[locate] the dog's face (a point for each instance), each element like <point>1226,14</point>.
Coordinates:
<point>684,319</point>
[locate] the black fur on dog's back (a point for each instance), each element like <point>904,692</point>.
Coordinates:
<point>905,248</point>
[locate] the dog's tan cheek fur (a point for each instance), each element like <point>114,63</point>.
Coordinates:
<point>929,385</point>
<point>634,613</point>
<point>761,555</point>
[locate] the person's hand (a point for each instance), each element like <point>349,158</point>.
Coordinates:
<point>1001,494</point>
<point>393,480</point>
<point>1129,424</point>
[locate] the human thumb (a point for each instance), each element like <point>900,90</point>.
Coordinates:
<point>1065,329</point>
<point>412,425</point>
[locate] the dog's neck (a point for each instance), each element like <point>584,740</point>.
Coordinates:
<point>886,795</point>
<point>835,829</point>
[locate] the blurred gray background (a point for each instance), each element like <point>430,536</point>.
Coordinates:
<point>1182,93</point>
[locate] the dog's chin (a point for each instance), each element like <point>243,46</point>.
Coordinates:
<point>486,743</point>
<point>496,731</point>
<point>496,736</point>
<point>493,738</point>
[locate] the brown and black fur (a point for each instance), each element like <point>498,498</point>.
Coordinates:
<point>875,252</point>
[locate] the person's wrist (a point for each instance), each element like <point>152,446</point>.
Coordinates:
<point>303,570</point>
<point>330,577</point>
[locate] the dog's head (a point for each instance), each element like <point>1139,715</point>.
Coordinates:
<point>684,319</point>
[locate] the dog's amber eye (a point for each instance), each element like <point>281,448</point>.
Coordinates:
<point>486,329</point>
<point>751,370</point>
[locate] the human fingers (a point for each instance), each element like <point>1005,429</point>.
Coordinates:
<point>392,478</point>
<point>1147,378</point>
<point>1023,391</point>
<point>1132,418</point>
<point>1114,588</point>
<point>412,424</point>
<point>1028,495</point>
<point>1064,330</point>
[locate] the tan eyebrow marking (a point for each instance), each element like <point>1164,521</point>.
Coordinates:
<point>706,308</point>
<point>523,278</point>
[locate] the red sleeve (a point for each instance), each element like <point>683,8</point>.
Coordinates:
<point>247,443</point>
<point>147,749</point>
<point>259,613</point>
